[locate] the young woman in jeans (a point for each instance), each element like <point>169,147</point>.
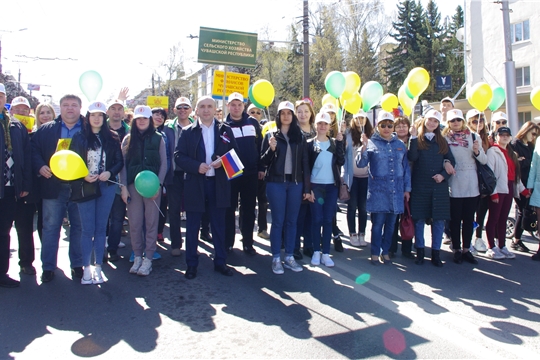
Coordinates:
<point>99,147</point>
<point>285,155</point>
<point>326,156</point>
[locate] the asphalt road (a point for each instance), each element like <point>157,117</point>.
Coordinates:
<point>354,310</point>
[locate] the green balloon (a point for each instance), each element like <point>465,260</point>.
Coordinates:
<point>371,94</point>
<point>90,83</point>
<point>252,98</point>
<point>146,183</point>
<point>335,83</point>
<point>499,95</point>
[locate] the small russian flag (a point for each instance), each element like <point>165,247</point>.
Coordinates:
<point>232,164</point>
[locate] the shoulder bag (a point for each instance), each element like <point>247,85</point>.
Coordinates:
<point>486,178</point>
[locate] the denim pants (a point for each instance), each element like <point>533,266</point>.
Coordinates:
<point>322,211</point>
<point>116,223</point>
<point>285,199</point>
<point>437,229</point>
<point>94,215</point>
<point>382,229</point>
<point>358,193</point>
<point>53,214</point>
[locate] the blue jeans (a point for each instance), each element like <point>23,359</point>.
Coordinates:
<point>358,200</point>
<point>285,199</point>
<point>381,239</point>
<point>322,212</point>
<point>437,229</point>
<point>94,215</point>
<point>53,214</point>
<point>116,223</point>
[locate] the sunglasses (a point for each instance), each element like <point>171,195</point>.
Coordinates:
<point>504,122</point>
<point>384,126</point>
<point>454,120</point>
<point>475,122</point>
<point>534,134</point>
<point>182,107</point>
<point>255,112</point>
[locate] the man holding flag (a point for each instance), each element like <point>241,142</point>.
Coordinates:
<point>206,186</point>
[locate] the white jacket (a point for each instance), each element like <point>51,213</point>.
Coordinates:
<point>464,183</point>
<point>497,163</point>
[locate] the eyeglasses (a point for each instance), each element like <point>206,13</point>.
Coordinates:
<point>475,122</point>
<point>384,126</point>
<point>504,122</point>
<point>182,107</point>
<point>456,119</point>
<point>255,112</point>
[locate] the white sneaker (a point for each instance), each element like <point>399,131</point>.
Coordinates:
<point>316,258</point>
<point>121,245</point>
<point>87,276</point>
<point>480,245</point>
<point>353,238</point>
<point>98,277</point>
<point>447,240</point>
<point>277,267</point>
<point>291,264</point>
<point>495,253</point>
<point>362,241</point>
<point>326,261</point>
<point>137,262</point>
<point>145,268</point>
<point>507,253</point>
<point>473,250</point>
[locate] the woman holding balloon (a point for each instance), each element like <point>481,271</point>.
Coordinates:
<point>145,167</point>
<point>99,147</point>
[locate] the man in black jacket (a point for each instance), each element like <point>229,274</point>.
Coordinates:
<point>16,172</point>
<point>56,192</point>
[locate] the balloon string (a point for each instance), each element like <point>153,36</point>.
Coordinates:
<point>158,208</point>
<point>117,183</point>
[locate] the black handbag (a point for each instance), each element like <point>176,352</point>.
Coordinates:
<point>82,191</point>
<point>529,221</point>
<point>486,178</point>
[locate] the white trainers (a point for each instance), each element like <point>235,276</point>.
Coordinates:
<point>473,250</point>
<point>353,238</point>
<point>480,245</point>
<point>87,276</point>
<point>291,264</point>
<point>137,262</point>
<point>495,253</point>
<point>507,253</point>
<point>361,240</point>
<point>145,268</point>
<point>277,267</point>
<point>316,258</point>
<point>121,245</point>
<point>326,261</point>
<point>98,277</point>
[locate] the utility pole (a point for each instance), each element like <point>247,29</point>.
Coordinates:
<point>306,49</point>
<point>153,88</point>
<point>510,71</point>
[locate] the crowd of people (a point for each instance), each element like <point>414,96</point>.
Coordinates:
<point>298,166</point>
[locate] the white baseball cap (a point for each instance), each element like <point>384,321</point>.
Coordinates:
<point>434,114</point>
<point>329,108</point>
<point>472,113</point>
<point>323,117</point>
<point>116,102</point>
<point>20,100</point>
<point>286,105</point>
<point>385,115</point>
<point>454,114</point>
<point>182,101</point>
<point>448,99</point>
<point>252,106</point>
<point>142,111</point>
<point>499,115</point>
<point>235,96</point>
<point>361,113</point>
<point>2,88</point>
<point>97,106</point>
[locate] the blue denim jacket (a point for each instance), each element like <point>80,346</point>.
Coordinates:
<point>389,174</point>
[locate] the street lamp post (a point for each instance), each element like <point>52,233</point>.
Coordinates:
<point>5,31</point>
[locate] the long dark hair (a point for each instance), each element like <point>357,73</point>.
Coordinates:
<point>356,131</point>
<point>424,145</point>
<point>295,133</point>
<point>136,138</point>
<point>106,135</point>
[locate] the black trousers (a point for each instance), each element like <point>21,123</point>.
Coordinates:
<point>244,186</point>
<point>175,194</point>
<point>24,224</point>
<point>262,204</point>
<point>481,212</point>
<point>7,216</point>
<point>461,220</point>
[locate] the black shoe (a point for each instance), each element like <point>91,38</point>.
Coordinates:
<point>77,272</point>
<point>519,246</point>
<point>408,255</point>
<point>308,251</point>
<point>28,270</point>
<point>229,249</point>
<point>47,276</point>
<point>436,258</point>
<point>191,272</point>
<point>458,257</point>
<point>419,256</point>
<point>536,257</point>
<point>384,261</point>
<point>114,257</point>
<point>468,257</point>
<point>297,254</point>
<point>249,250</point>
<point>391,254</point>
<point>7,282</point>
<point>105,258</point>
<point>224,270</point>
<point>338,245</point>
<point>205,236</point>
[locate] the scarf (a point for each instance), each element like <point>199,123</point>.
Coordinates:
<point>458,138</point>
<point>6,121</point>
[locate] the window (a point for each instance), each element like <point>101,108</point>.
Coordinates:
<point>523,117</point>
<point>520,31</point>
<point>523,76</point>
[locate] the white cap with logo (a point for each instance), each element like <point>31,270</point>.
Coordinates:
<point>385,115</point>
<point>435,114</point>
<point>499,115</point>
<point>20,100</point>
<point>472,113</point>
<point>97,106</point>
<point>286,105</point>
<point>142,111</point>
<point>323,117</point>
<point>235,96</point>
<point>182,101</point>
<point>454,114</point>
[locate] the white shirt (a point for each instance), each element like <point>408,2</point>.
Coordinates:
<point>208,138</point>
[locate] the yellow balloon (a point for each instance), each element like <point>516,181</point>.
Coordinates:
<point>263,92</point>
<point>269,126</point>
<point>389,102</point>
<point>345,95</point>
<point>535,97</point>
<point>480,96</point>
<point>67,165</point>
<point>329,99</point>
<point>405,101</point>
<point>353,104</point>
<point>417,81</point>
<point>352,82</point>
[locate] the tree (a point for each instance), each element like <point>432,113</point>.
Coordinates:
<point>367,58</point>
<point>175,84</point>
<point>291,85</point>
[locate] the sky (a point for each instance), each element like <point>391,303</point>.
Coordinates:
<point>125,41</point>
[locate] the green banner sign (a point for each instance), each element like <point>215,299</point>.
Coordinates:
<point>227,47</point>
